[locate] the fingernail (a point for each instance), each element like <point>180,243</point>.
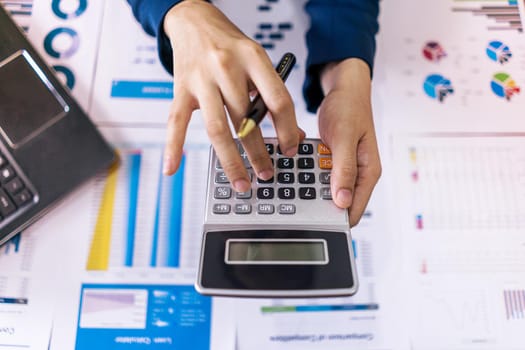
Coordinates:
<point>241,185</point>
<point>265,174</point>
<point>168,165</point>
<point>344,198</point>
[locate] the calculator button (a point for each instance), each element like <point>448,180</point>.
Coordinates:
<point>324,178</point>
<point>279,150</point>
<point>222,193</point>
<point>323,150</point>
<point>269,148</point>
<point>265,208</point>
<point>244,157</point>
<point>221,178</point>
<point>14,186</point>
<point>244,195</point>
<point>218,164</point>
<point>243,208</point>
<point>221,208</point>
<point>325,163</point>
<point>6,205</point>
<point>286,193</point>
<point>2,161</point>
<point>326,193</point>
<point>265,193</point>
<point>285,163</point>
<point>306,178</point>
<point>261,181</point>
<point>305,163</point>
<point>286,209</point>
<point>306,148</point>
<point>22,198</point>
<point>286,178</point>
<point>6,174</point>
<point>307,193</point>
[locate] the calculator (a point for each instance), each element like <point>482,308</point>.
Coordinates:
<point>284,237</point>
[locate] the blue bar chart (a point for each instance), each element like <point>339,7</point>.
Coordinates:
<point>139,214</point>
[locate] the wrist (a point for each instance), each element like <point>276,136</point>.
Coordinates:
<point>349,74</point>
<point>181,8</point>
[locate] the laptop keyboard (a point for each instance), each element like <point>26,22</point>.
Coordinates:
<point>14,193</point>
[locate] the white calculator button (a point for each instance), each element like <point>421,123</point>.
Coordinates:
<point>265,208</point>
<point>221,208</point>
<point>286,209</point>
<point>243,208</point>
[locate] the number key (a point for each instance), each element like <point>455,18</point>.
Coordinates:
<point>307,193</point>
<point>306,178</point>
<point>305,163</point>
<point>286,193</point>
<point>286,178</point>
<point>265,193</point>
<point>306,148</point>
<point>285,163</point>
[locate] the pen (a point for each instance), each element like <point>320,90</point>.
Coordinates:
<point>258,109</point>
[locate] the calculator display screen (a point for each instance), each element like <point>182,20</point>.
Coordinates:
<point>276,251</point>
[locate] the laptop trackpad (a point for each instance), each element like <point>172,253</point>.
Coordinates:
<point>29,104</point>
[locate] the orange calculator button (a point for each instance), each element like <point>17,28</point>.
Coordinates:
<point>323,150</point>
<point>325,163</point>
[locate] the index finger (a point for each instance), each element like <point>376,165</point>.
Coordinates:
<point>277,99</point>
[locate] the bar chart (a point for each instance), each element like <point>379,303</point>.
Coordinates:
<point>502,14</point>
<point>514,304</point>
<point>139,213</point>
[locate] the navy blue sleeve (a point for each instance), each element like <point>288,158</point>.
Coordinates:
<point>150,14</point>
<point>339,29</point>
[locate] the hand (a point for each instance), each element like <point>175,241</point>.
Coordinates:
<point>214,66</point>
<point>347,128</point>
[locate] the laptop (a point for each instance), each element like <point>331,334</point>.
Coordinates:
<point>48,145</point>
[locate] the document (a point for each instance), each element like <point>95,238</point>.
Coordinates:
<point>131,284</point>
<point>461,214</point>
<point>451,65</point>
<point>368,320</point>
<point>27,283</point>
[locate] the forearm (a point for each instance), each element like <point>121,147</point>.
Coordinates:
<point>339,30</point>
<point>350,77</point>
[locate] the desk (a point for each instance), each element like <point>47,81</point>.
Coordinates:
<point>440,249</point>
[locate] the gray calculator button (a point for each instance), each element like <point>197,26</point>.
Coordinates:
<point>324,178</point>
<point>244,157</point>
<point>326,193</point>
<point>222,192</point>
<point>221,208</point>
<point>243,208</point>
<point>221,178</point>
<point>243,195</point>
<point>218,164</point>
<point>265,208</point>
<point>286,209</point>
